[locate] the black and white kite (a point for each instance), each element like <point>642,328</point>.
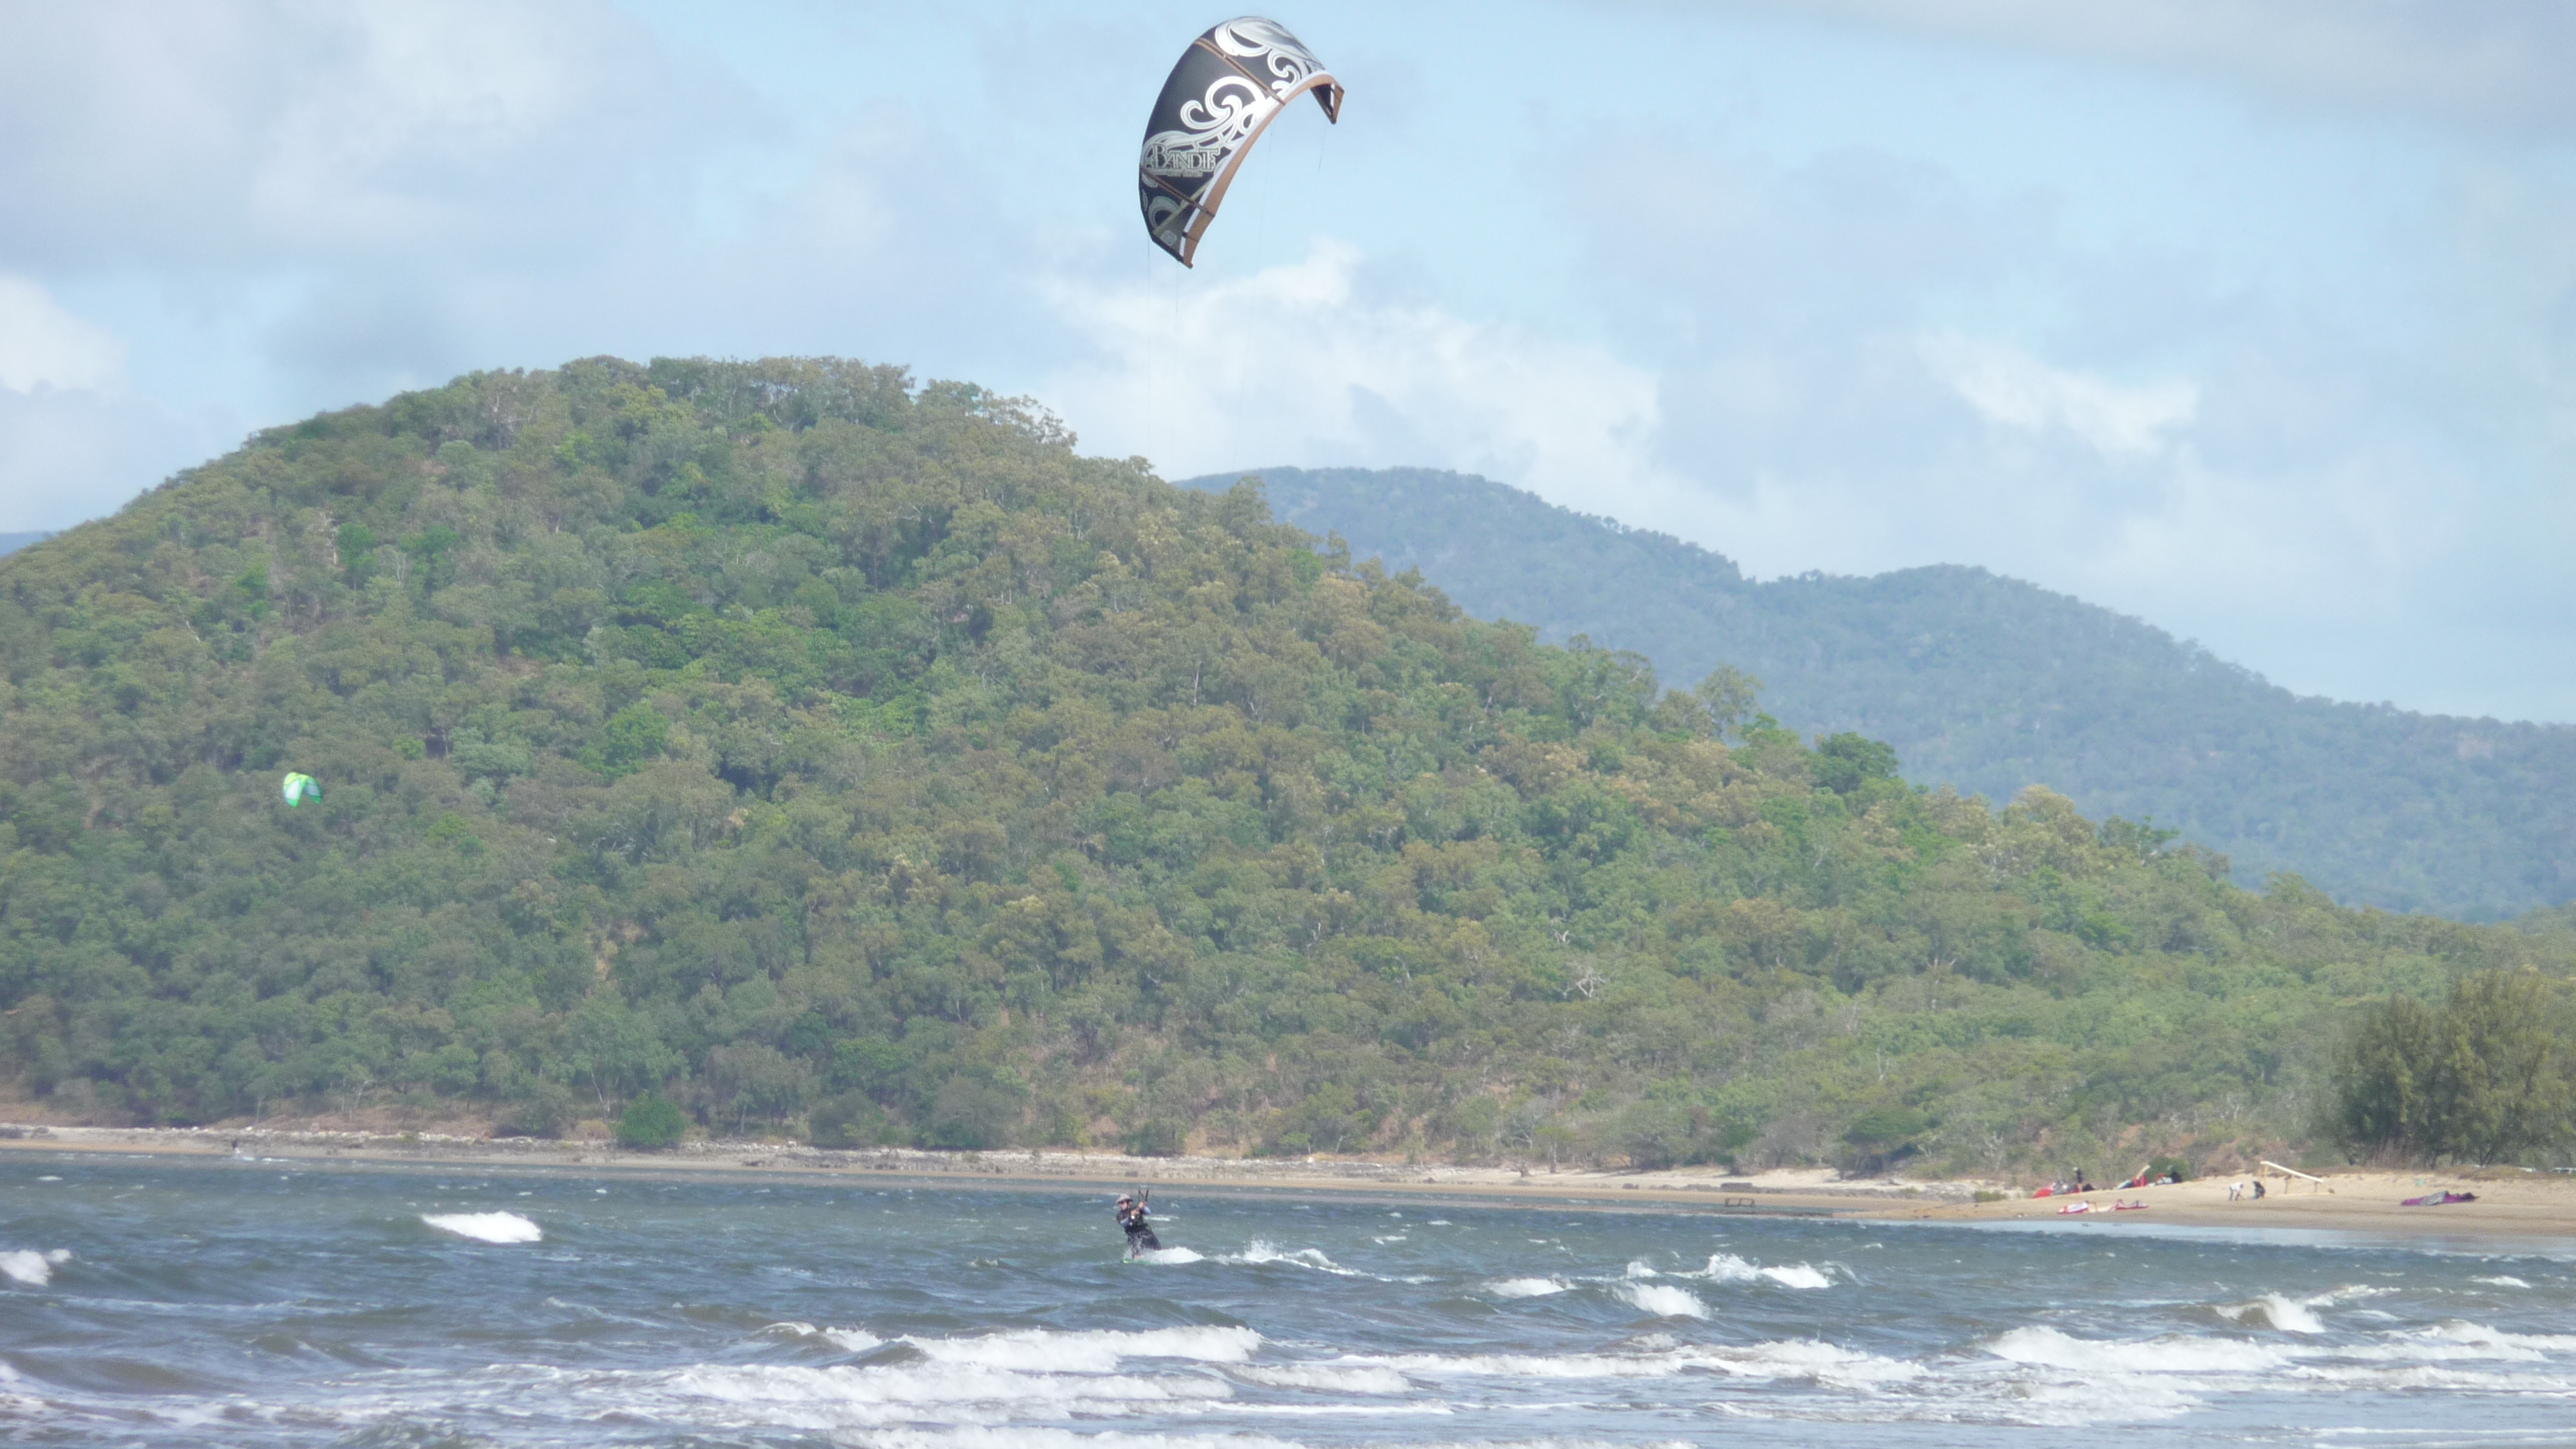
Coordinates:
<point>1230,84</point>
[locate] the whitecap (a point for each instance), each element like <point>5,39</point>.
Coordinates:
<point>1527,1287</point>
<point>2048,1348</point>
<point>1728,1268</point>
<point>2276,1311</point>
<point>2459,1339</point>
<point>1661,1299</point>
<point>486,1227</point>
<point>1091,1350</point>
<point>1329,1377</point>
<point>30,1267</point>
<point>852,1340</point>
<point>2502,1280</point>
<point>844,1395</point>
<point>1258,1252</point>
<point>1777,1359</point>
<point>1015,1437</point>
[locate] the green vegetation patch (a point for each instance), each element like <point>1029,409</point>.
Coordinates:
<point>793,748</point>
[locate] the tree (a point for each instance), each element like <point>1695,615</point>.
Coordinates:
<point>2484,1078</point>
<point>1728,695</point>
<point>651,1123</point>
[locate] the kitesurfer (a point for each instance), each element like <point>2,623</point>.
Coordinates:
<point>1132,1217</point>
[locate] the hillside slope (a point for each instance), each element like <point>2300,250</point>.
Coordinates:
<point>848,756</point>
<point>1994,685</point>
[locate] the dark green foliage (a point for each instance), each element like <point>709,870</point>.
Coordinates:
<point>849,1119</point>
<point>650,1122</point>
<point>1993,685</point>
<point>1885,1133</point>
<point>2174,1167</point>
<point>2485,1077</point>
<point>815,750</point>
<point>972,1112</point>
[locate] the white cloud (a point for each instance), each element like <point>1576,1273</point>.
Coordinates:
<point>2498,64</point>
<point>1299,363</point>
<point>43,345</point>
<point>265,135</point>
<point>2011,387</point>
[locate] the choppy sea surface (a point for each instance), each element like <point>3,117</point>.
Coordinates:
<point>270,1303</point>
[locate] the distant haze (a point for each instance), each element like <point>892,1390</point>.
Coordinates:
<point>1992,685</point>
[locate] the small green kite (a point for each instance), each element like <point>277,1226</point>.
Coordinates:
<point>300,787</point>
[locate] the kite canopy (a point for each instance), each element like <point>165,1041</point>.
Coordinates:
<point>298,788</point>
<point>1227,87</point>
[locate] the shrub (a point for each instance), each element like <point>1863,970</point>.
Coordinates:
<point>651,1123</point>
<point>545,1111</point>
<point>1155,1139</point>
<point>848,1120</point>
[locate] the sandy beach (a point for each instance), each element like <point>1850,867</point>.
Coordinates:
<point>2510,1203</point>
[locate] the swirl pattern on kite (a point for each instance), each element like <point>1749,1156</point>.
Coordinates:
<point>1229,85</point>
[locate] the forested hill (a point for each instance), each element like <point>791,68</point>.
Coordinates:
<point>833,754</point>
<point>12,542</point>
<point>1992,684</point>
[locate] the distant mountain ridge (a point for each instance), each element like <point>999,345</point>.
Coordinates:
<point>1993,684</point>
<point>12,542</point>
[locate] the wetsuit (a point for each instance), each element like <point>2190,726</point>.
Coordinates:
<point>1140,1233</point>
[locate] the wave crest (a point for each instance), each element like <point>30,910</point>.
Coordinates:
<point>487,1227</point>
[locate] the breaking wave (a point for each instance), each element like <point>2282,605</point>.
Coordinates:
<point>2171,1354</point>
<point>2273,1310</point>
<point>1728,1268</point>
<point>25,1265</point>
<point>1661,1299</point>
<point>1259,1252</point>
<point>486,1227</point>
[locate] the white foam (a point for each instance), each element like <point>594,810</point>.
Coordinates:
<point>847,1396</point>
<point>1807,1357</point>
<point>1259,1251</point>
<point>1527,1287</point>
<point>2458,1339</point>
<point>1728,1268</point>
<point>2172,1354</point>
<point>2502,1280</point>
<point>2272,1309</point>
<point>980,1437</point>
<point>486,1227</point>
<point>30,1267</point>
<point>1330,1377</point>
<point>1171,1255</point>
<point>1661,1299</point>
<point>1781,1359</point>
<point>1091,1351</point>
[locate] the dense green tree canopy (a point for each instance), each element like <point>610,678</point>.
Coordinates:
<point>1993,685</point>
<point>812,749</point>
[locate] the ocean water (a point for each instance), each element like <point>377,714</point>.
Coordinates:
<point>272,1303</point>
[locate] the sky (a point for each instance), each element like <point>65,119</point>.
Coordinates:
<point>2254,320</point>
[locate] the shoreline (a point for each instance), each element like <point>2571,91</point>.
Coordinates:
<point>2510,1203</point>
